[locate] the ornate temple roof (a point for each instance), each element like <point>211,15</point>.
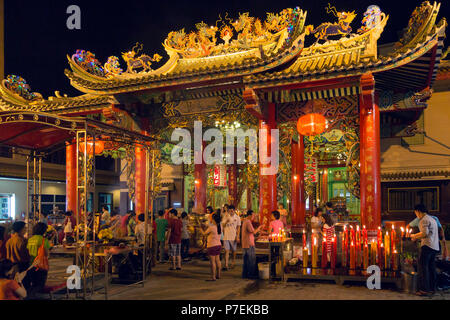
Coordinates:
<point>198,56</point>
<point>346,57</point>
<point>247,52</point>
<point>16,95</point>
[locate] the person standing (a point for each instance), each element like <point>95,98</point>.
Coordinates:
<point>161,231</point>
<point>283,214</point>
<point>131,225</point>
<point>328,233</point>
<point>106,216</point>
<point>276,225</point>
<point>249,268</point>
<point>38,277</point>
<point>10,289</point>
<point>16,247</point>
<point>140,231</point>
<point>429,247</point>
<point>415,224</point>
<point>174,239</point>
<point>69,224</point>
<point>231,225</point>
<point>185,236</point>
<point>329,211</point>
<point>213,245</point>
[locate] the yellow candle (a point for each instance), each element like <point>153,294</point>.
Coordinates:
<point>305,257</point>
<point>314,253</point>
<point>387,245</point>
<point>373,252</point>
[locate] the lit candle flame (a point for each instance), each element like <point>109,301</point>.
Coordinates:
<point>315,241</point>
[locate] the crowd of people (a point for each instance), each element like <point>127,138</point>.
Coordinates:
<point>24,259</point>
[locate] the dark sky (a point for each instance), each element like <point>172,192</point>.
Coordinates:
<point>37,39</point>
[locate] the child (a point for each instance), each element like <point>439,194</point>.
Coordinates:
<point>10,289</point>
<point>276,225</point>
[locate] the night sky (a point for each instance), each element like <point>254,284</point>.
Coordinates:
<point>37,39</point>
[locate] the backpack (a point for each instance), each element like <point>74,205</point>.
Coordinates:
<point>41,260</point>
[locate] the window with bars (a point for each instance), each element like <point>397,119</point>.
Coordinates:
<point>404,199</point>
<point>49,202</point>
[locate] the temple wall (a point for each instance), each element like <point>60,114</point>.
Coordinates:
<point>396,158</point>
<point>437,120</point>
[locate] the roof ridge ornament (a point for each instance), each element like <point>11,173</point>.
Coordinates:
<point>245,33</point>
<point>326,29</point>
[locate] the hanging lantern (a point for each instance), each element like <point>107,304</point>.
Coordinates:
<point>311,124</point>
<point>99,147</point>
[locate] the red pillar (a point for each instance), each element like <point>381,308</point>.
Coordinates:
<point>298,182</point>
<point>71,178</point>
<point>268,183</point>
<point>200,185</point>
<point>370,154</point>
<point>139,192</point>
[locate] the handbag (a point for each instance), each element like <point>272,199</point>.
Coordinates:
<point>41,260</point>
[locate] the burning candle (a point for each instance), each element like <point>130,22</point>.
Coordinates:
<point>364,234</point>
<point>358,247</point>
<point>365,257</point>
<point>381,257</point>
<point>373,252</point>
<point>352,256</point>
<point>343,248</point>
<point>387,244</point>
<point>346,246</point>
<point>304,238</point>
<point>324,254</point>
<point>395,260</point>
<point>352,235</point>
<point>333,253</point>
<point>379,237</point>
<point>314,253</point>
<point>393,239</point>
<point>401,239</point>
<point>305,257</point>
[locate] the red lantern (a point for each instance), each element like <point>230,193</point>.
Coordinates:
<point>311,124</point>
<point>99,147</point>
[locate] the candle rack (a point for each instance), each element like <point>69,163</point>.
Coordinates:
<point>348,255</point>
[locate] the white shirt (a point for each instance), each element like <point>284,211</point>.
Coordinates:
<point>428,227</point>
<point>106,217</point>
<point>140,232</point>
<point>230,225</point>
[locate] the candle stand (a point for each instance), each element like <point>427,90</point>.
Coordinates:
<point>277,259</point>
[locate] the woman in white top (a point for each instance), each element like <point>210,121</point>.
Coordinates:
<point>317,221</point>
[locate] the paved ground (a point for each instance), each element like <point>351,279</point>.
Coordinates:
<point>190,284</point>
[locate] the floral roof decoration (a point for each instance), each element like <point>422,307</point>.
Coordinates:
<point>421,20</point>
<point>19,86</point>
<point>136,63</point>
<point>228,36</point>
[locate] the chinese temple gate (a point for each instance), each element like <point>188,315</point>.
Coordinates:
<point>263,75</point>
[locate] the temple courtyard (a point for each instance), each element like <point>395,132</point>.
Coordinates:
<point>164,284</point>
